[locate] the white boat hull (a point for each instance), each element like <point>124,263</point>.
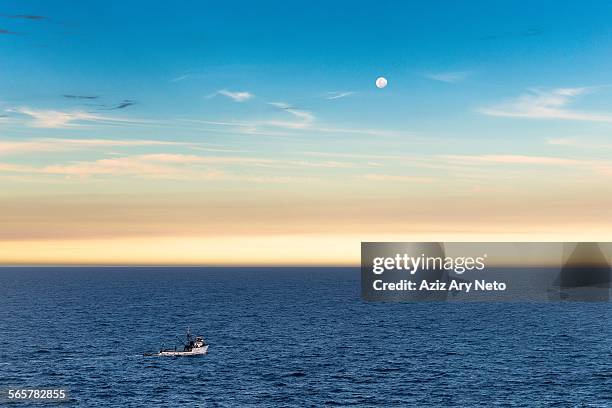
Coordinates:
<point>198,351</point>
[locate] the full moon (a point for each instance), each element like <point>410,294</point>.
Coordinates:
<point>381,82</point>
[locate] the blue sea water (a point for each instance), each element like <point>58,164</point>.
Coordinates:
<point>290,337</point>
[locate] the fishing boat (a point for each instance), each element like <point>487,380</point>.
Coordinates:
<point>193,346</point>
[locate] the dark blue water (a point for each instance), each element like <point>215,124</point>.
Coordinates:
<point>290,337</point>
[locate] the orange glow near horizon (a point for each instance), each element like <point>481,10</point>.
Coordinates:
<point>270,229</point>
<point>257,250</point>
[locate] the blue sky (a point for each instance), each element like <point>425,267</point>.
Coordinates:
<point>297,53</point>
<point>486,102</point>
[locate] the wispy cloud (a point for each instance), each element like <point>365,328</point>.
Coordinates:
<point>289,108</point>
<point>305,118</point>
<point>511,159</point>
<point>550,104</point>
<point>66,119</point>
<point>293,127</point>
<point>578,143</point>
<point>53,118</point>
<point>362,131</point>
<point>180,78</point>
<point>59,145</point>
<point>241,96</point>
<point>147,166</point>
<point>597,166</point>
<point>172,166</point>
<point>294,122</point>
<point>449,77</point>
<point>338,95</point>
<point>360,156</point>
<point>161,166</point>
<point>397,178</point>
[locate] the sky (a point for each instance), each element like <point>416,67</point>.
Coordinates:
<point>243,133</point>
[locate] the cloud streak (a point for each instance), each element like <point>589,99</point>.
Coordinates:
<point>305,118</point>
<point>161,165</point>
<point>241,96</point>
<point>448,77</point>
<point>397,178</point>
<point>601,167</point>
<point>180,78</point>
<point>263,128</point>
<point>577,143</point>
<point>510,159</point>
<point>53,118</point>
<point>60,145</point>
<point>550,104</point>
<point>338,95</point>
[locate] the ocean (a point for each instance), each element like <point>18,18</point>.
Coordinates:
<point>289,337</point>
